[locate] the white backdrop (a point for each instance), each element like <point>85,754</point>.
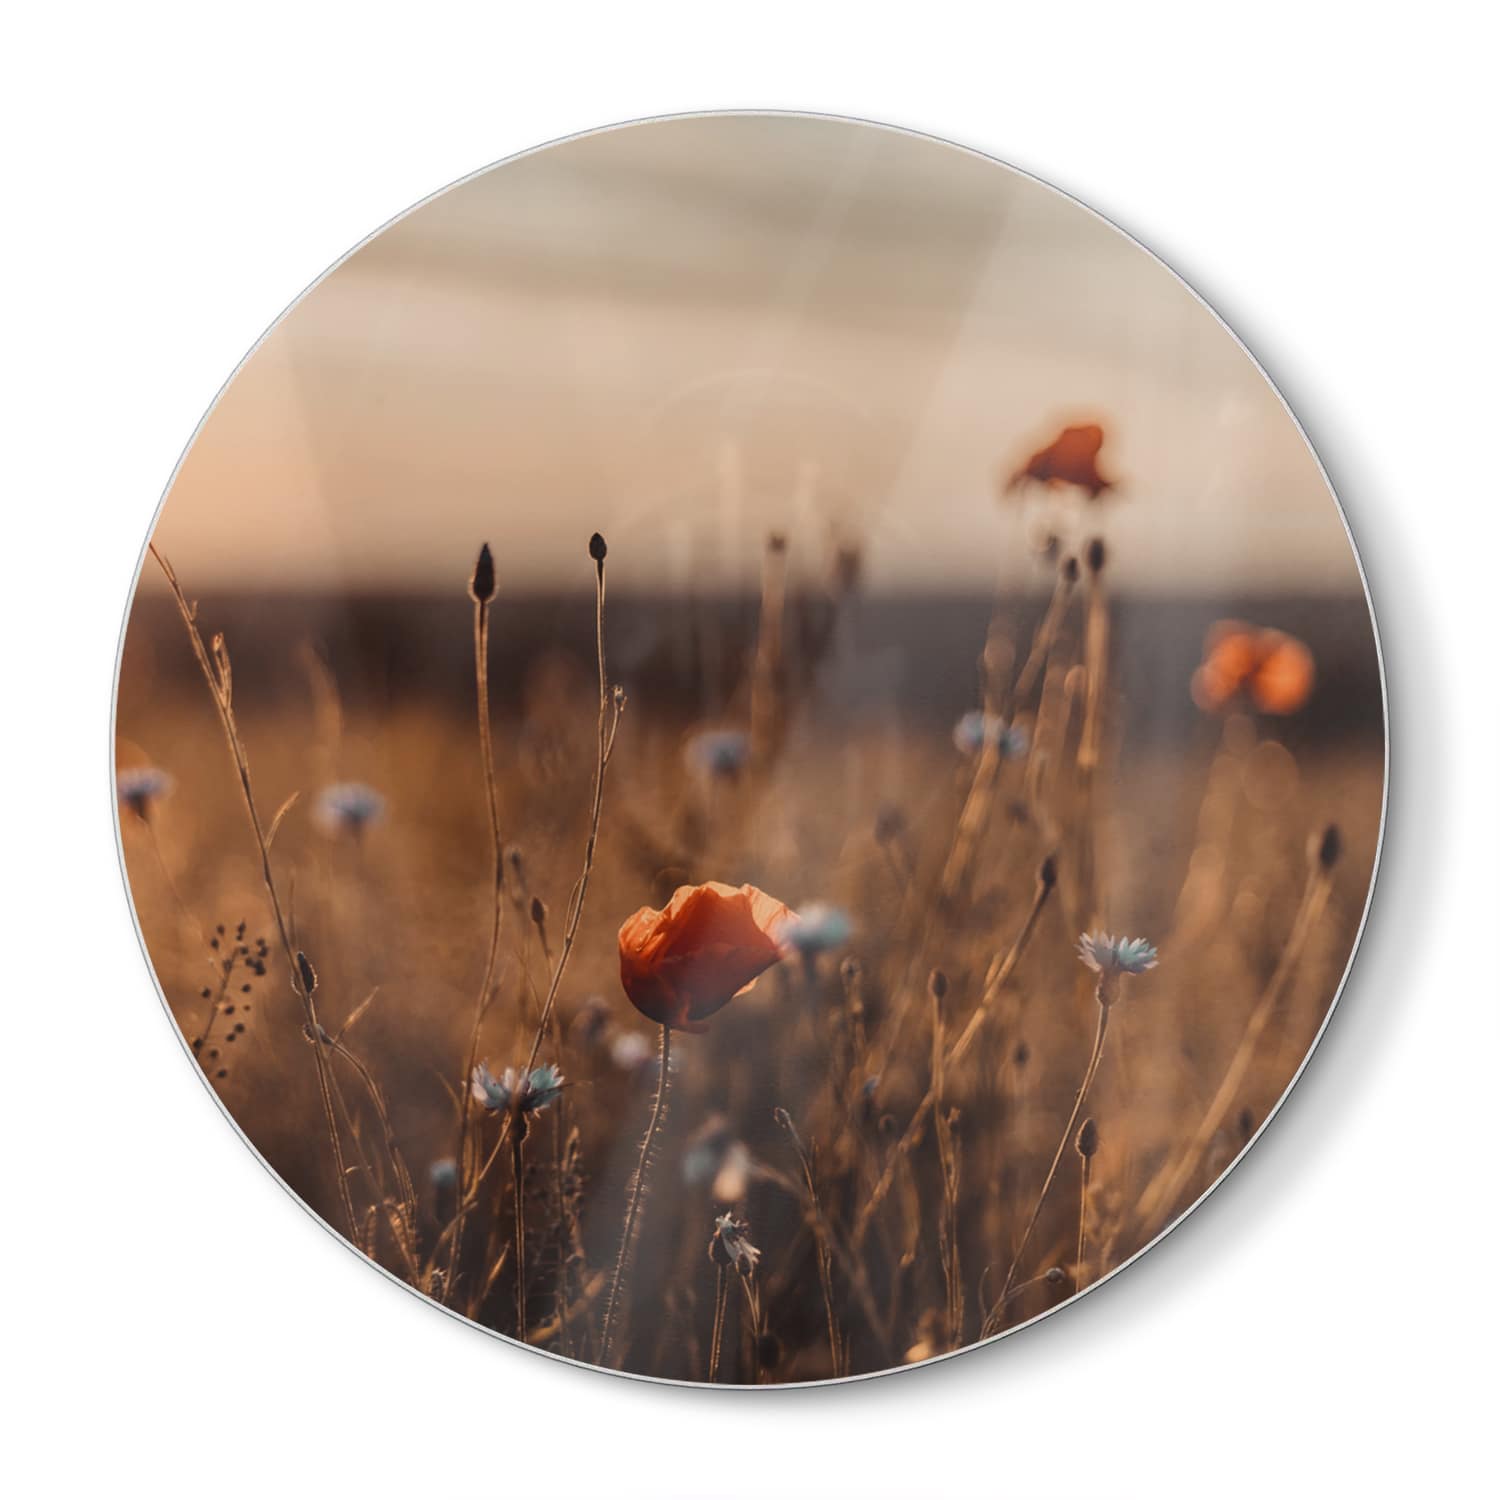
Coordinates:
<point>179,173</point>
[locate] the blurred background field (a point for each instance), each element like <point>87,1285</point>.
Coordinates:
<point>1201,840</point>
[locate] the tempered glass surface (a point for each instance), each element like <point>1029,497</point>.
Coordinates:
<point>866,844</point>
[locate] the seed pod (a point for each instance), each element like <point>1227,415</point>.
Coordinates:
<point>1088,1138</point>
<point>1330,846</point>
<point>597,548</point>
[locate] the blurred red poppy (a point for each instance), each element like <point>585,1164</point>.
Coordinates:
<point>1071,458</point>
<point>708,944</point>
<point>1272,669</point>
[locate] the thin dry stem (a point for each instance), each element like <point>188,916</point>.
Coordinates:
<point>1062,1146</point>
<point>497,865</point>
<point>217,674</point>
<point>995,982</point>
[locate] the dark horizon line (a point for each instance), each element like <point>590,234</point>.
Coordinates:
<point>238,594</point>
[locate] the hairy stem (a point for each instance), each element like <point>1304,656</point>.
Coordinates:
<point>716,1344</point>
<point>632,1211</point>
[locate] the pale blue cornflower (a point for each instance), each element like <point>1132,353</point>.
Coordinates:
<point>443,1173</point>
<point>514,1089</point>
<point>139,786</point>
<point>1108,956</point>
<point>348,807</point>
<point>718,752</point>
<point>730,1245</point>
<point>818,928</point>
<point>977,729</point>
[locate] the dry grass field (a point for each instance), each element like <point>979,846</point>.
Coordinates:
<point>878,1153</point>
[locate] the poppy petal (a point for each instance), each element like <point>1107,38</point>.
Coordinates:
<point>709,943</point>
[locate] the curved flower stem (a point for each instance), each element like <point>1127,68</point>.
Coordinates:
<point>518,1170</point>
<point>1062,1145</point>
<point>608,727</point>
<point>632,1212</point>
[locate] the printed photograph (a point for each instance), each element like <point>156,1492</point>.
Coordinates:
<point>749,749</point>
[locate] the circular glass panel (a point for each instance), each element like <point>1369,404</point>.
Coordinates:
<point>750,749</point>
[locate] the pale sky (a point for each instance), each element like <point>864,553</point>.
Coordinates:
<point>688,332</point>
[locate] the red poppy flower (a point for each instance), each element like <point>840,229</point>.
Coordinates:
<point>708,944</point>
<point>1072,458</point>
<point>1274,670</point>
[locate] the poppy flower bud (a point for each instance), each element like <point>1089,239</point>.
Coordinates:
<point>1088,1138</point>
<point>482,583</point>
<point>597,548</point>
<point>1095,555</point>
